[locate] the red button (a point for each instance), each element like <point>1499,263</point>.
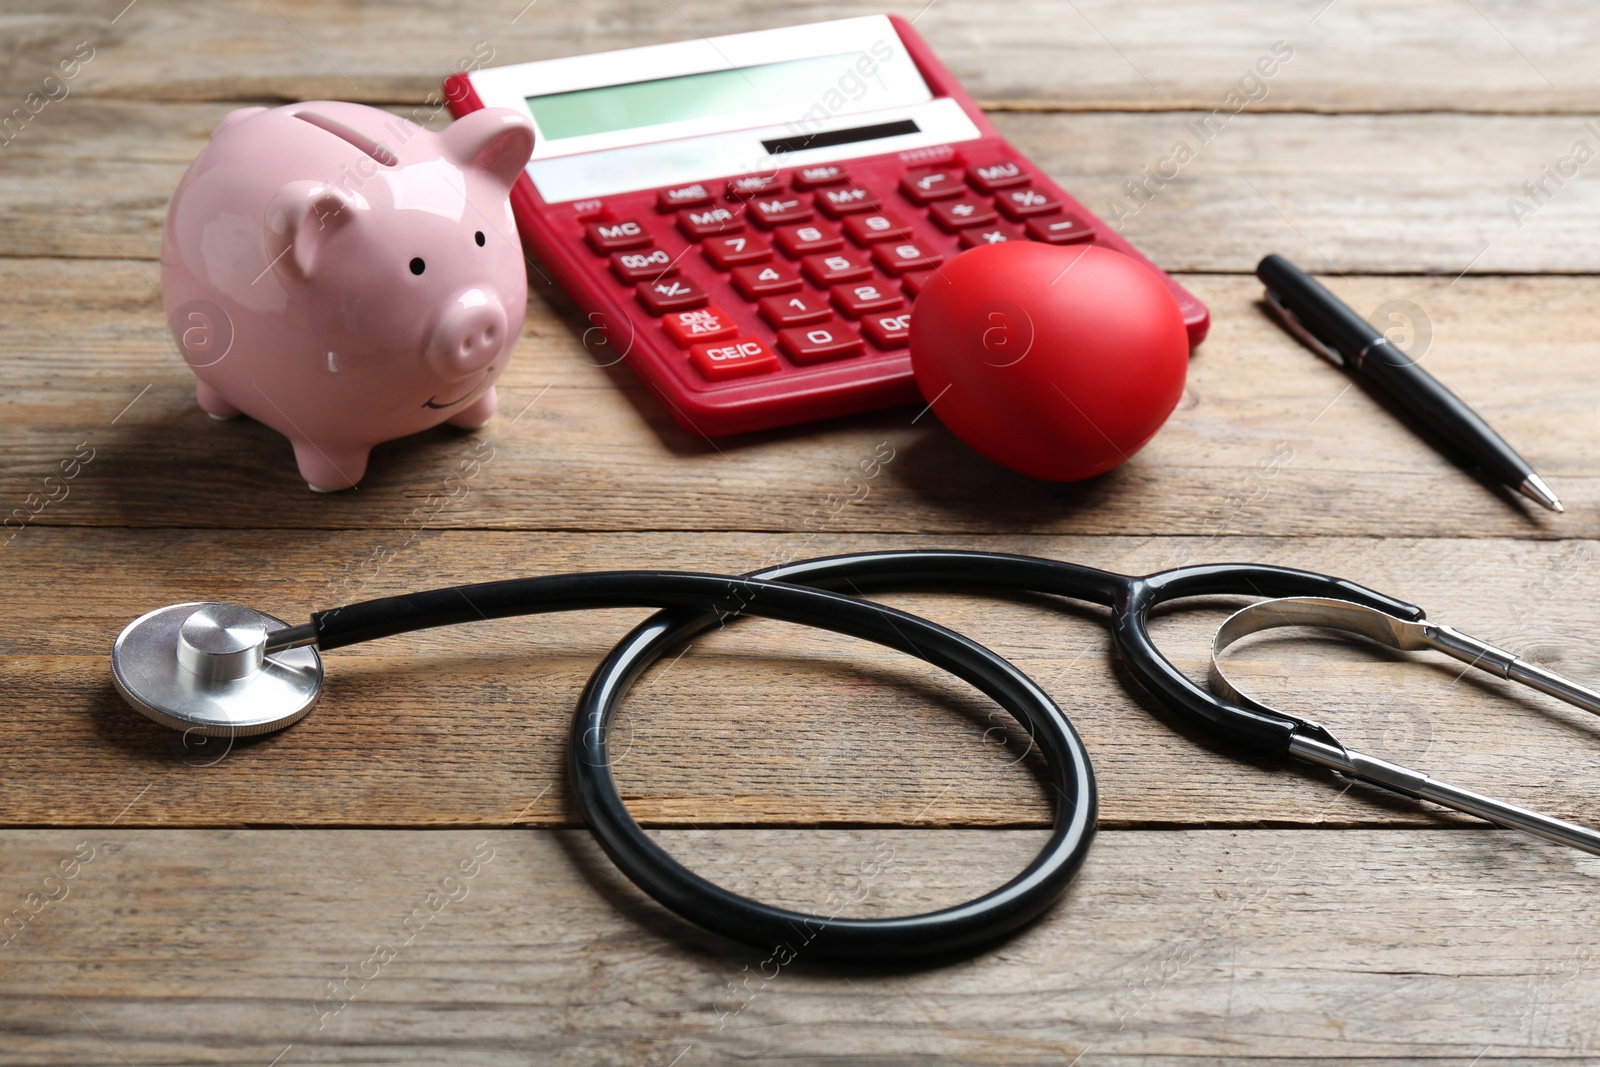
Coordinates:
<point>904,256</point>
<point>1065,230</point>
<point>644,264</point>
<point>799,241</point>
<point>683,196</point>
<point>756,282</point>
<point>730,252</point>
<point>607,237</point>
<point>924,187</point>
<point>779,210</point>
<point>990,177</point>
<point>986,235</point>
<point>888,331</point>
<point>870,229</point>
<point>811,177</point>
<point>835,267</point>
<point>709,222</point>
<point>753,185</point>
<point>1018,204</point>
<point>863,298</point>
<point>815,344</point>
<point>670,294</point>
<point>797,309</point>
<point>845,200</point>
<point>733,359</point>
<point>688,328</point>
<point>914,282</point>
<point>956,215</point>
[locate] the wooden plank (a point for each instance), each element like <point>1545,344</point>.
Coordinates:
<point>1261,947</point>
<point>1268,439</point>
<point>1351,55</point>
<point>763,724</point>
<point>93,179</point>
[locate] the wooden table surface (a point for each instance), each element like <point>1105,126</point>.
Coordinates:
<point>175,902</point>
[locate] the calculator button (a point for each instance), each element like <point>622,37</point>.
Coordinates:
<point>689,328</point>
<point>867,230</point>
<point>954,216</point>
<point>645,264</point>
<point>887,331</point>
<point>733,359</point>
<point>797,309</point>
<point>924,187</point>
<point>913,283</point>
<point>987,235</point>
<point>827,269</point>
<point>671,294</point>
<point>779,210</point>
<point>898,258</point>
<point>729,252</point>
<point>826,174</point>
<point>1060,230</point>
<point>797,241</point>
<point>755,282</point>
<point>1026,201</point>
<point>709,222</point>
<point>753,185</point>
<point>864,297</point>
<point>992,177</point>
<point>606,237</point>
<point>683,196</point>
<point>844,200</point>
<point>816,344</point>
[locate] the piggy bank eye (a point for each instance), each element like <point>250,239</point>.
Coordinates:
<point>478,237</point>
<point>417,266</point>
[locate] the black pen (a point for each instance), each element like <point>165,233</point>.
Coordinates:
<point>1328,327</point>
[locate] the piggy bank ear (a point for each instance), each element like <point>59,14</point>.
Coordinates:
<point>496,139</point>
<point>299,220</point>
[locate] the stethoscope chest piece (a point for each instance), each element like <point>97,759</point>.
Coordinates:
<point>206,668</point>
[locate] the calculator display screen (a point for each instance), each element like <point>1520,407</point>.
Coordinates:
<point>800,84</point>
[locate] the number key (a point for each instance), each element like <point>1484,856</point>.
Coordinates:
<point>827,269</point>
<point>815,344</point>
<point>904,256</point>
<point>755,282</point>
<point>797,241</point>
<point>796,310</point>
<point>729,252</point>
<point>863,298</point>
<point>670,294</point>
<point>867,230</point>
<point>888,331</point>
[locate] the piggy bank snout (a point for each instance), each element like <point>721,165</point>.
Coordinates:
<point>468,336</point>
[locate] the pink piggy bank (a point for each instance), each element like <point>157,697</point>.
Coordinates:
<point>347,277</point>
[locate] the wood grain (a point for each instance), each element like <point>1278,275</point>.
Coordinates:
<point>1351,55</point>
<point>1268,439</point>
<point>1267,947</point>
<point>764,724</point>
<point>1385,193</point>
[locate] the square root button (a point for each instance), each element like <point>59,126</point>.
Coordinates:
<point>733,359</point>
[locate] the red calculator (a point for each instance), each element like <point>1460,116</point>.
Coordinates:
<point>748,219</point>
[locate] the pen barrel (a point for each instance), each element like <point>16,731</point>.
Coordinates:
<point>1324,314</point>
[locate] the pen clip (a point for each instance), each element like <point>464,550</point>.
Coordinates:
<point>1302,333</point>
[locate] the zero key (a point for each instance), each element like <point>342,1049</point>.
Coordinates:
<point>817,344</point>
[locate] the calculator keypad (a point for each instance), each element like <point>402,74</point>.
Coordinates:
<point>827,260</point>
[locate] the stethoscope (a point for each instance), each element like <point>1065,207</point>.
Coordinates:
<point>227,670</point>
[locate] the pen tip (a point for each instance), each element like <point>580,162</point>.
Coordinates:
<point>1535,488</point>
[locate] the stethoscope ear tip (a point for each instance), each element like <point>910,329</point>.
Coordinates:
<point>204,668</point>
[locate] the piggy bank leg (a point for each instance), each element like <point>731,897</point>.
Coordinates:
<point>329,469</point>
<point>476,414</point>
<point>212,403</point>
